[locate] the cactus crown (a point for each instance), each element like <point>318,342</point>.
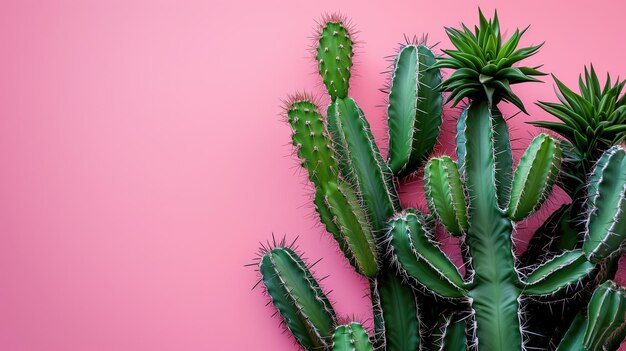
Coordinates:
<point>592,121</point>
<point>483,63</point>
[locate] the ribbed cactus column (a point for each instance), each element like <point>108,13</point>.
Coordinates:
<point>484,71</point>
<point>496,284</point>
<point>363,168</point>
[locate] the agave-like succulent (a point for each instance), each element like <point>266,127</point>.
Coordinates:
<point>592,122</point>
<point>484,64</point>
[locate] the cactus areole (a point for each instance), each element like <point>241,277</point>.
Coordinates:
<point>420,298</point>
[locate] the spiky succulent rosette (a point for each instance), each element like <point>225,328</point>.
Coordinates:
<point>483,64</point>
<point>591,122</point>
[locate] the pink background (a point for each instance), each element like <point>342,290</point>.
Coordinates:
<point>143,156</point>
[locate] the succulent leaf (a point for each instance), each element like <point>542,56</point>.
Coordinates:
<point>445,194</point>
<point>484,63</point>
<point>295,293</point>
<point>420,259</point>
<point>606,223</point>
<point>351,337</point>
<point>534,177</point>
<point>414,109</point>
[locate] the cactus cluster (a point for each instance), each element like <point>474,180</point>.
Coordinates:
<point>420,299</point>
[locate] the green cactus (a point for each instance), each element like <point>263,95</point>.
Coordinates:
<point>603,326</point>
<point>591,122</point>
<point>445,194</point>
<point>334,55</point>
<point>335,200</point>
<point>420,298</point>
<point>495,292</point>
<point>304,307</point>
<point>606,222</point>
<point>351,337</point>
<point>414,108</point>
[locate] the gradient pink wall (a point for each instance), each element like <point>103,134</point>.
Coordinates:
<point>143,156</point>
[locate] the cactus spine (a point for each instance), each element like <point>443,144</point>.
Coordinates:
<point>477,198</point>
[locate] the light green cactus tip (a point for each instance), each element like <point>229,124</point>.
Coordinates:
<point>351,337</point>
<point>334,55</point>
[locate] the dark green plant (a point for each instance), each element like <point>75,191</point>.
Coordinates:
<point>590,122</point>
<point>477,198</point>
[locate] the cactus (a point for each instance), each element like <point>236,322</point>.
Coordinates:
<point>603,326</point>
<point>305,309</point>
<point>420,298</point>
<point>414,108</point>
<point>591,122</point>
<point>351,337</point>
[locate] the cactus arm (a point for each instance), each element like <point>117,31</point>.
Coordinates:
<point>328,220</point>
<point>494,297</point>
<point>573,338</point>
<point>451,334</point>
<point>429,108</point>
<point>347,216</point>
<point>562,271</point>
<point>606,318</point>
<point>295,293</point>
<point>503,158</point>
<point>445,194</point>
<point>394,302</point>
<point>351,337</point>
<point>534,177</point>
<point>369,173</point>
<point>311,141</point>
<point>421,259</point>
<point>414,110</point>
<point>334,200</point>
<point>334,58</point>
<point>606,223</point>
<point>402,107</point>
